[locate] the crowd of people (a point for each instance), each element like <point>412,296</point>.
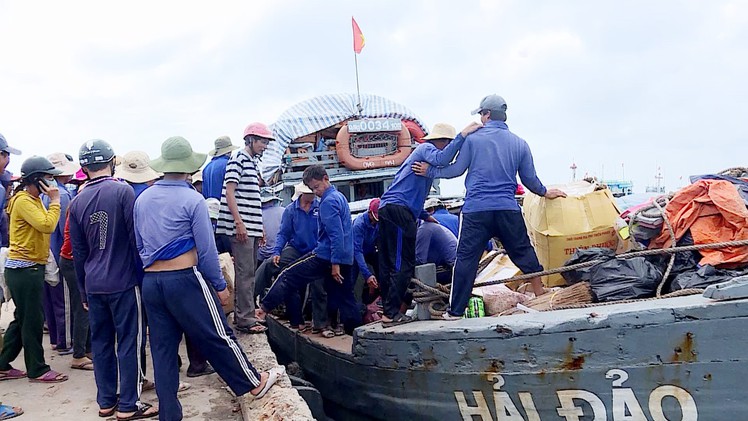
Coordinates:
<point>137,243</point>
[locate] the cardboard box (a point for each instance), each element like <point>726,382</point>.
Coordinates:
<point>557,228</point>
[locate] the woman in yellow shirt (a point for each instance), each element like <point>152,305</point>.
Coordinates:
<point>30,227</point>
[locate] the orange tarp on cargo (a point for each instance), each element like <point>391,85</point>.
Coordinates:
<point>714,212</point>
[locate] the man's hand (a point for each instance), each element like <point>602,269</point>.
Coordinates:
<point>371,282</point>
<point>276,260</point>
<point>420,168</point>
<point>336,275</point>
<point>262,241</point>
<point>85,306</point>
<point>241,232</point>
<point>554,194</point>
<point>223,296</point>
<point>473,126</point>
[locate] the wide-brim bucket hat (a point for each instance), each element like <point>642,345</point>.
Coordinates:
<point>64,163</point>
<point>222,146</point>
<point>177,156</point>
<point>441,131</point>
<point>300,189</point>
<point>135,168</point>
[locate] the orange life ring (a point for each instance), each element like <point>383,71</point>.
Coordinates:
<point>395,159</point>
<point>416,132</point>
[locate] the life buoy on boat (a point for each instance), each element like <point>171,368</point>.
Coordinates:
<point>416,132</point>
<point>395,159</point>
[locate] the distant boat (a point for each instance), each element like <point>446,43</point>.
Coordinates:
<point>658,187</point>
<point>620,187</point>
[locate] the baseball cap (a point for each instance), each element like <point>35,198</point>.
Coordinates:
<point>5,148</point>
<point>374,208</point>
<point>491,103</point>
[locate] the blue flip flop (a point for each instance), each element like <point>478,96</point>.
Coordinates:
<point>7,412</point>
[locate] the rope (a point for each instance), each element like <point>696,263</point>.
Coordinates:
<point>673,244</point>
<point>679,293</point>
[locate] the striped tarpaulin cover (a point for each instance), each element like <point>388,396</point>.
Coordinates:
<point>321,112</point>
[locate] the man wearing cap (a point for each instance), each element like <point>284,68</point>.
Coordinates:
<point>183,285</point>
<point>58,310</point>
<point>401,205</point>
<point>5,152</point>
<point>272,214</point>
<point>214,172</point>
<point>297,236</point>
<point>494,157</point>
<point>365,238</point>
<point>240,218</point>
<point>109,274</point>
<point>135,170</point>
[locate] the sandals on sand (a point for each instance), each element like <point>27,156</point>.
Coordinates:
<point>7,412</point>
<point>84,364</point>
<point>106,413</point>
<point>12,374</point>
<point>141,412</point>
<point>273,376</point>
<point>400,319</point>
<point>50,376</point>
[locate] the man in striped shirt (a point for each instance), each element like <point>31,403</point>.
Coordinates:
<point>240,218</point>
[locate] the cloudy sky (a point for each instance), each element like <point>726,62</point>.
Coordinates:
<point>619,88</point>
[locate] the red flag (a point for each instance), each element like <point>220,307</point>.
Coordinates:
<point>358,37</point>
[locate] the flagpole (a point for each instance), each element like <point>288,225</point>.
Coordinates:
<point>358,89</point>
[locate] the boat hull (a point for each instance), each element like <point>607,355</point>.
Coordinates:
<point>680,363</point>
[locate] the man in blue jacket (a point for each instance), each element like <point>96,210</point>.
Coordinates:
<point>214,172</point>
<point>331,260</point>
<point>109,272</point>
<point>365,238</point>
<point>494,156</point>
<point>401,205</point>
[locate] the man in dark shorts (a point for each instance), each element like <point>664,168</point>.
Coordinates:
<point>494,156</point>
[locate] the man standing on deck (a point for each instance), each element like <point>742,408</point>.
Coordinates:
<point>399,208</point>
<point>214,172</point>
<point>365,238</point>
<point>240,218</point>
<point>183,283</point>
<point>109,271</point>
<point>494,156</point>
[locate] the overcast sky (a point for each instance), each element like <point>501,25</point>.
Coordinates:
<point>613,86</point>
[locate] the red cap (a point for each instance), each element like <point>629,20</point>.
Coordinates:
<point>374,208</point>
<point>258,129</point>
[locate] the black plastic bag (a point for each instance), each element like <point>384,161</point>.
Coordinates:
<point>703,277</point>
<point>624,279</point>
<point>585,255</point>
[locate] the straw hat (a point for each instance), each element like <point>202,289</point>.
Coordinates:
<point>135,169</point>
<point>223,146</point>
<point>177,156</point>
<point>300,189</point>
<point>432,202</point>
<point>266,196</point>
<point>197,177</point>
<point>64,163</point>
<point>441,131</point>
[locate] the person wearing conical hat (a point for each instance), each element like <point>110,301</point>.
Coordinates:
<point>214,172</point>
<point>400,207</point>
<point>135,170</point>
<point>183,287</point>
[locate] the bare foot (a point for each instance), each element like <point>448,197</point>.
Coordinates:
<point>260,314</point>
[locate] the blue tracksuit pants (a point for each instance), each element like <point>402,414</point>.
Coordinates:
<point>476,228</point>
<point>181,302</point>
<point>301,273</point>
<point>117,320</point>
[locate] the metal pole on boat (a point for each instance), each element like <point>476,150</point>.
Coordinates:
<point>358,89</point>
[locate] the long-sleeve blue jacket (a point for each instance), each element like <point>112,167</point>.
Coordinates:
<point>364,241</point>
<point>298,228</point>
<point>493,156</point>
<point>407,188</point>
<point>335,242</point>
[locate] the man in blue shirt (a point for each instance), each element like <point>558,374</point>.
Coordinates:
<point>183,285</point>
<point>109,272</point>
<point>135,170</point>
<point>436,244</point>
<point>214,172</point>
<point>494,156</point>
<point>331,260</point>
<point>272,214</point>
<point>401,205</point>
<point>365,238</point>
<point>297,236</point>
